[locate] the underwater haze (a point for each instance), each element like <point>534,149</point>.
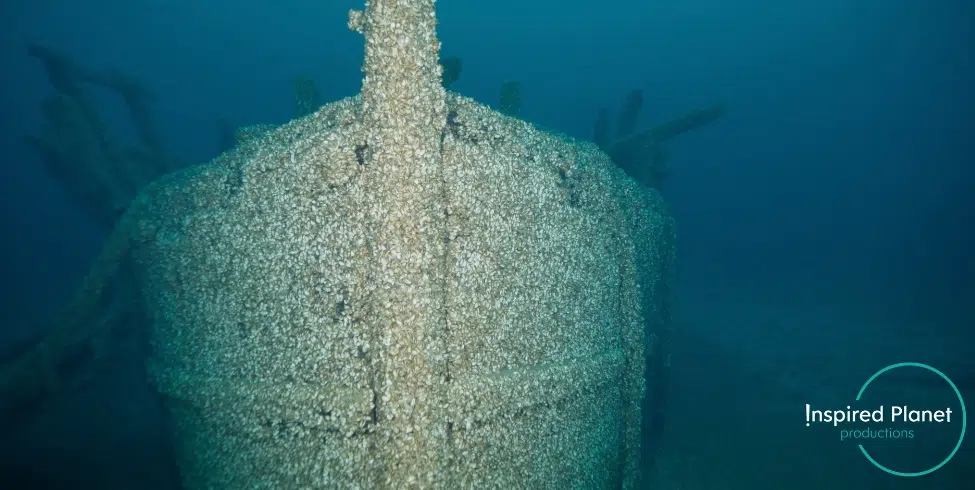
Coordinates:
<point>824,222</point>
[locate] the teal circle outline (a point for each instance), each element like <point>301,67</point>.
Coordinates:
<point>964,418</point>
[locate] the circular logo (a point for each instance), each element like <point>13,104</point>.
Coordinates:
<point>963,418</point>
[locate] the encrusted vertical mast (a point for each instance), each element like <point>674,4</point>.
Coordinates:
<point>402,91</point>
<point>404,115</point>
